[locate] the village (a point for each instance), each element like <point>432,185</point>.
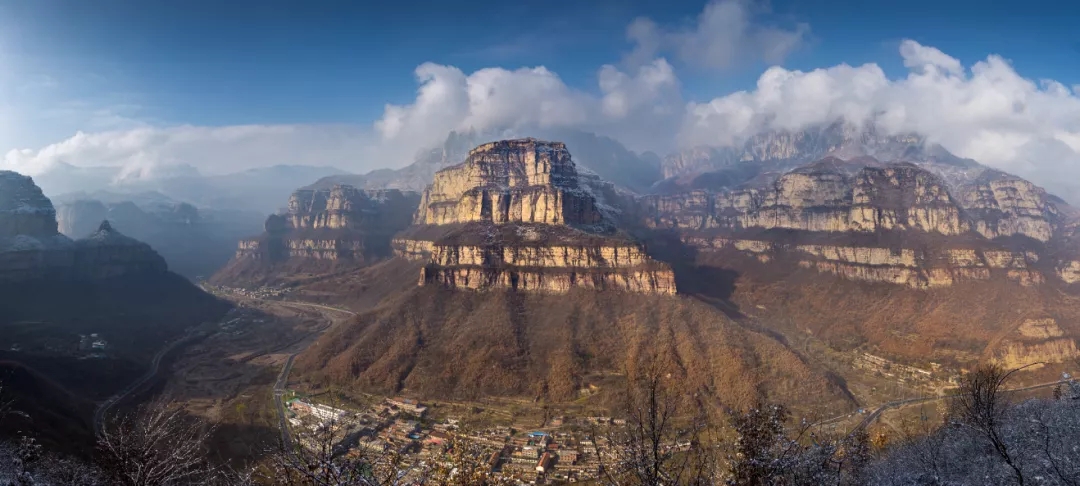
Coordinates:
<point>264,292</point>
<point>401,428</point>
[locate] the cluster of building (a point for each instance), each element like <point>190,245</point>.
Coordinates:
<point>265,292</point>
<point>401,427</point>
<point>901,372</point>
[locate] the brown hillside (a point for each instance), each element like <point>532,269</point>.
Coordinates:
<point>956,325</point>
<point>440,344</point>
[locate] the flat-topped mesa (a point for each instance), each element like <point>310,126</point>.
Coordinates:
<point>340,223</point>
<point>523,180</point>
<point>855,218</point>
<point>517,215</point>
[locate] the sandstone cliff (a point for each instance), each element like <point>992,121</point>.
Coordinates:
<point>321,231</point>
<point>340,223</point>
<point>866,220</point>
<point>516,214</point>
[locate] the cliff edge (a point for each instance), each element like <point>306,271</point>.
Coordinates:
<point>516,214</point>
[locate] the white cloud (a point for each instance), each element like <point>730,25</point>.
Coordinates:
<point>497,99</point>
<point>989,112</point>
<point>211,150</point>
<point>726,33</point>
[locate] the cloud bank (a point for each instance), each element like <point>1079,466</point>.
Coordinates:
<point>986,111</point>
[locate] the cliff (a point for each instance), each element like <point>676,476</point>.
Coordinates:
<point>31,248</point>
<point>322,229</point>
<point>866,220</point>
<point>194,241</point>
<point>516,214</point>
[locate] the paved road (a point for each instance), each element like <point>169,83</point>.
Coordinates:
<point>103,409</point>
<point>283,376</point>
<point>869,419</point>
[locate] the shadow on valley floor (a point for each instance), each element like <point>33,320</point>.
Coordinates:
<point>711,284</point>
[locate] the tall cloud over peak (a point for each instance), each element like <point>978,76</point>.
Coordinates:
<point>918,57</point>
<point>988,112</point>
<point>726,33</point>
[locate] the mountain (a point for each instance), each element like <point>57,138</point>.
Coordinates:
<point>414,176</point>
<point>194,242</point>
<point>516,214</point>
<point>259,190</point>
<point>603,156</point>
<point>896,257</point>
<point>323,229</point>
<point>56,289</point>
<point>529,287</point>
<point>765,156</point>
<point>447,344</point>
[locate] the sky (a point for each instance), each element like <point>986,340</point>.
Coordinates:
<point>226,86</point>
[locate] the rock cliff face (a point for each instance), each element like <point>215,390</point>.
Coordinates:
<point>510,181</point>
<point>194,242</point>
<point>32,249</point>
<point>337,224</point>
<point>517,215</point>
<point>884,222</point>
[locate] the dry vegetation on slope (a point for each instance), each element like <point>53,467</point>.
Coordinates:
<point>956,325</point>
<point>440,344</point>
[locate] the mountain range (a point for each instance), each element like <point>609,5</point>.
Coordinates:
<point>868,242</point>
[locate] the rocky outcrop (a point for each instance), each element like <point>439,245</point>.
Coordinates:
<point>916,268</point>
<point>24,210</point>
<point>31,248</point>
<point>886,222</point>
<point>1069,271</point>
<point>340,223</point>
<point>1003,205</point>
<point>517,215</point>
<point>510,181</point>
<point>1014,355</point>
<point>820,197</point>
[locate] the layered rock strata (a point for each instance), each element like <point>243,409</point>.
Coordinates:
<point>897,223</point>
<point>31,248</point>
<point>916,268</point>
<point>517,215</point>
<point>340,223</point>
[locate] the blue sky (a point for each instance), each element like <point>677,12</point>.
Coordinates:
<point>237,62</point>
<point>113,65</point>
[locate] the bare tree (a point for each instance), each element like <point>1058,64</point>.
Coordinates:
<point>157,446</point>
<point>321,460</point>
<point>981,405</point>
<point>665,440</point>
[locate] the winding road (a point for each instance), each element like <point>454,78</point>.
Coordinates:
<point>155,364</point>
<point>283,376</point>
<point>102,410</point>
<point>872,416</point>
